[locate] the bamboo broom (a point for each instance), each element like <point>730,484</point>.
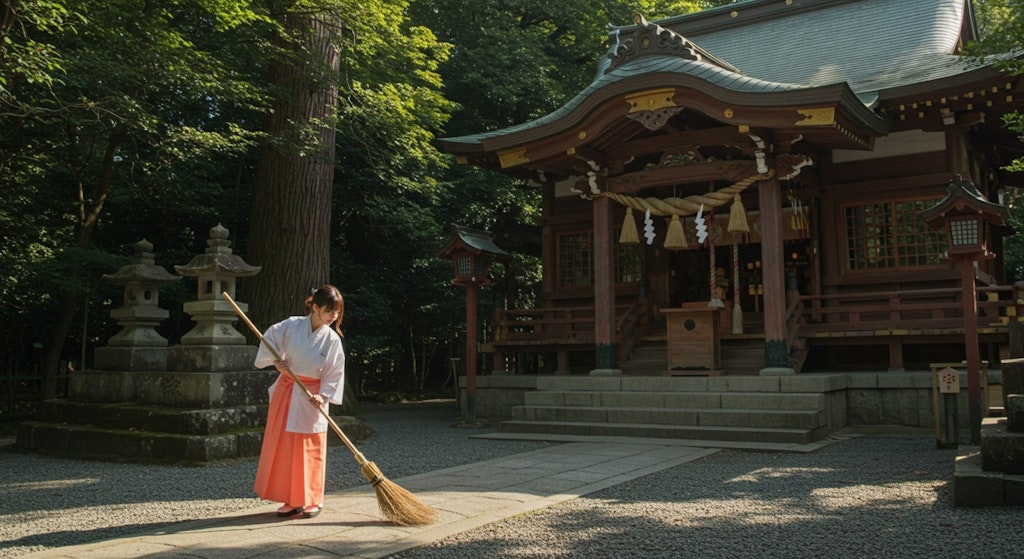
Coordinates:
<point>396,504</point>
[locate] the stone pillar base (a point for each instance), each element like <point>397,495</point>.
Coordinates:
<point>776,372</point>
<point>130,358</point>
<point>205,389</point>
<point>210,358</point>
<point>102,386</point>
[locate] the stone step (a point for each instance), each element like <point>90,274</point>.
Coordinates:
<point>641,399</point>
<point>726,383</point>
<point>137,445</point>
<point>706,433</point>
<point>811,419</point>
<point>82,441</point>
<point>131,416</point>
<point>973,486</point>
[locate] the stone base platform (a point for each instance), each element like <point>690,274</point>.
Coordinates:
<point>975,487</point>
<point>169,436</point>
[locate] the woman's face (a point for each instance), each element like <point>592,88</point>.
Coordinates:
<point>325,315</point>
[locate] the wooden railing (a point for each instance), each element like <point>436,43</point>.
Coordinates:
<point>898,312</point>
<point>566,325</point>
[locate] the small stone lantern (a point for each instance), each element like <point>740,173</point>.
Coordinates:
<point>214,344</point>
<point>138,346</point>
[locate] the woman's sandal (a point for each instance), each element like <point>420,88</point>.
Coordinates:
<point>310,512</point>
<point>288,510</point>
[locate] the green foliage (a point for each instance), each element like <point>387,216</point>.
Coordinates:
<point>25,55</point>
<point>122,120</point>
<point>1001,28</point>
<point>130,142</point>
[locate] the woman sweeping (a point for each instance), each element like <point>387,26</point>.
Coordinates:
<point>293,460</point>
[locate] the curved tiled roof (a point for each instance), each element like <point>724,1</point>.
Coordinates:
<point>868,46</point>
<point>709,73</point>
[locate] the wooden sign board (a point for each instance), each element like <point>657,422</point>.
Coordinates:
<point>949,381</point>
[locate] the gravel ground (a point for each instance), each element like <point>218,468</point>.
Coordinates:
<point>867,496</point>
<point>48,502</point>
<point>873,496</point>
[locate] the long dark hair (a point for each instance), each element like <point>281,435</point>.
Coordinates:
<point>328,297</point>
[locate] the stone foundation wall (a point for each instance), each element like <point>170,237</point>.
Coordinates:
<point>865,398</point>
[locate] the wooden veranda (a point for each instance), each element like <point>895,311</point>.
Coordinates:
<point>891,322</point>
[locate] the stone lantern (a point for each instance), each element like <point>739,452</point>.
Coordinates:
<point>137,346</point>
<point>214,344</point>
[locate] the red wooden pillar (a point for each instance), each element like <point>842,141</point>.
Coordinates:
<point>971,352</point>
<point>604,289</point>
<point>471,288</point>
<point>773,275</point>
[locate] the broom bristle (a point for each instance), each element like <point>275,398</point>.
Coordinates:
<point>396,503</point>
<point>675,239</point>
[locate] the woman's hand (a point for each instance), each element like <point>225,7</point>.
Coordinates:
<point>317,400</point>
<point>281,366</point>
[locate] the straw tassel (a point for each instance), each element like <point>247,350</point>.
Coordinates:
<point>738,225</point>
<point>629,235</point>
<point>737,310</point>
<point>738,217</point>
<point>675,239</point>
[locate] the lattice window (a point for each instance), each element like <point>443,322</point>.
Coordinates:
<point>628,264</point>
<point>576,260</point>
<point>890,235</point>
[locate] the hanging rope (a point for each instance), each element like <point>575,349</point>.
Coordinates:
<point>686,206</point>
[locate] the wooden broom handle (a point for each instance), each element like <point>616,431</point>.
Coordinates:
<point>241,314</point>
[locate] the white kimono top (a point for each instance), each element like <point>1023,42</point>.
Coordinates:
<point>310,354</point>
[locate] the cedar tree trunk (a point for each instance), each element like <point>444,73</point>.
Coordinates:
<point>289,231</point>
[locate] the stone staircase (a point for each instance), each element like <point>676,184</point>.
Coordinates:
<point>707,408</point>
<point>992,474</point>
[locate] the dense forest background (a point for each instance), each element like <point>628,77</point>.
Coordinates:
<point>306,128</point>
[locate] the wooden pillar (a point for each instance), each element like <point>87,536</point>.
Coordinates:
<point>604,289</point>
<point>773,275</point>
<point>970,311</point>
<point>956,151</point>
<point>549,242</point>
<point>471,289</point>
<point>895,342</point>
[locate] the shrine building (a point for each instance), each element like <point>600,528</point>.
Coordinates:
<point>739,192</point>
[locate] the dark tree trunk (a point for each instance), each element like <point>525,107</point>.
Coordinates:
<point>67,302</point>
<point>289,232</point>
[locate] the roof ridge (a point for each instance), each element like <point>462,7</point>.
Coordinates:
<point>647,38</point>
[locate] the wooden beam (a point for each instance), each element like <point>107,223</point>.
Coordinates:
<point>722,136</point>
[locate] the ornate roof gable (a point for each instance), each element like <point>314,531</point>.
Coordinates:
<point>650,39</point>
